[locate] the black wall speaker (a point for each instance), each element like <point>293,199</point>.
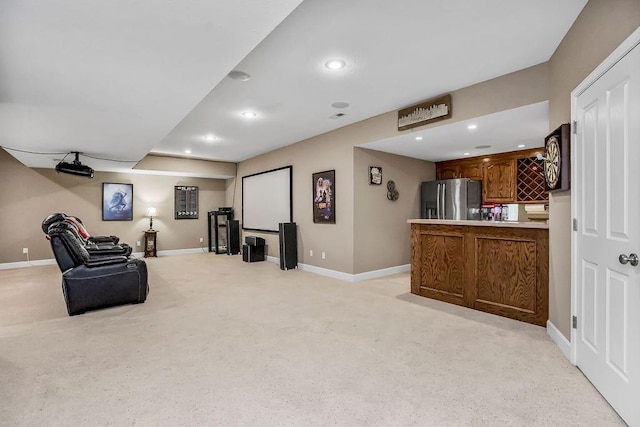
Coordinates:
<point>287,232</point>
<point>233,237</point>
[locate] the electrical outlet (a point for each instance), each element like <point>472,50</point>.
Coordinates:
<point>323,255</point>
<point>25,251</point>
<point>138,243</point>
<point>201,240</point>
<point>310,253</point>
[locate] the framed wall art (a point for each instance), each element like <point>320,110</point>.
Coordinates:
<point>375,175</point>
<point>324,197</point>
<point>117,202</point>
<point>430,111</point>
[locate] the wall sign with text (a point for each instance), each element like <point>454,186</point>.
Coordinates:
<point>186,202</point>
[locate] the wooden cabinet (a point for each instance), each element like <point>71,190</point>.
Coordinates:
<point>513,177</point>
<point>472,170</point>
<point>448,172</point>
<point>499,183</point>
<point>499,270</point>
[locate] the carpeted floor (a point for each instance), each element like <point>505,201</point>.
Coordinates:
<point>222,342</point>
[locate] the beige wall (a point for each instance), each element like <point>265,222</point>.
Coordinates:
<point>335,150</point>
<point>193,167</point>
<point>321,153</point>
<point>599,29</point>
<point>29,195</point>
<point>381,233</point>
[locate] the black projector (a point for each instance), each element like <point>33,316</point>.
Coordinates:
<point>75,168</point>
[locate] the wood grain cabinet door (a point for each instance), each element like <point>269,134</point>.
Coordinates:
<point>448,171</point>
<point>439,260</point>
<point>499,185</point>
<point>471,170</point>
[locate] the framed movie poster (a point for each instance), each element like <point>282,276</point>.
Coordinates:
<point>117,202</point>
<point>324,197</point>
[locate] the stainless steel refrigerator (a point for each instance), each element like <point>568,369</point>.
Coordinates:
<point>451,199</point>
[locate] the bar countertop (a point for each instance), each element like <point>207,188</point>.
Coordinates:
<point>475,223</point>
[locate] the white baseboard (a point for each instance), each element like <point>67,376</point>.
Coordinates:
<point>374,274</point>
<point>557,337</point>
<point>347,277</point>
<point>180,251</point>
<point>22,264</point>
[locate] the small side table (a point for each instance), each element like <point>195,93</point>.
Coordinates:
<point>150,243</point>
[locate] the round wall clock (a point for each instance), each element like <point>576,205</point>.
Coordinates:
<point>552,162</point>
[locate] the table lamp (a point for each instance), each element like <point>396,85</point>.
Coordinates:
<point>151,212</point>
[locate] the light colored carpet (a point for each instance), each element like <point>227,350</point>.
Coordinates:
<point>222,342</point>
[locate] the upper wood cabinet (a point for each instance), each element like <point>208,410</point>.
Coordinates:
<point>448,171</point>
<point>499,183</point>
<point>471,170</point>
<point>513,177</point>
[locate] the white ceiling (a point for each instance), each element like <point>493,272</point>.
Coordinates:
<point>118,79</point>
<point>503,131</point>
<point>112,78</point>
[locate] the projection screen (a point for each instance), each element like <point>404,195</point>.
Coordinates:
<point>267,199</point>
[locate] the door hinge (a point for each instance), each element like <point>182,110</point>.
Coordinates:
<point>574,322</point>
<point>575,224</point>
<point>574,127</point>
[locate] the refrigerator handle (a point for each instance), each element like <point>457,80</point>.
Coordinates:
<point>444,199</point>
<point>438,203</point>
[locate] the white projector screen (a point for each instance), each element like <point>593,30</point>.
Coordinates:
<point>267,199</point>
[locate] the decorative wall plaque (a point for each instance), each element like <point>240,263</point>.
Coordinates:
<point>186,202</point>
<point>426,112</point>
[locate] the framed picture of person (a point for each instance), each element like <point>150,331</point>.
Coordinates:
<point>375,175</point>
<point>117,202</point>
<point>324,197</point>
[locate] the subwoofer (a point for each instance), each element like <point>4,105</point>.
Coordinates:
<point>287,232</point>
<point>233,237</point>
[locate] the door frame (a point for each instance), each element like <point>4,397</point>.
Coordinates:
<point>620,52</point>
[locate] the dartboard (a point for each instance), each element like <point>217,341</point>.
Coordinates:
<point>552,162</point>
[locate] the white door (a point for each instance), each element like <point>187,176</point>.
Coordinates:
<point>607,182</point>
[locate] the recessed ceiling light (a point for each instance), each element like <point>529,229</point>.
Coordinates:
<point>335,64</point>
<point>209,138</point>
<point>521,146</point>
<point>249,114</point>
<point>239,75</point>
<point>340,104</point>
<point>467,154</point>
<point>472,127</point>
<point>482,147</point>
<point>418,138</point>
<point>187,151</point>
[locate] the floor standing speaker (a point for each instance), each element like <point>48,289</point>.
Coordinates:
<point>288,245</point>
<point>233,237</point>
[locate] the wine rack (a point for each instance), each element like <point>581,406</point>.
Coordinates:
<point>531,185</point>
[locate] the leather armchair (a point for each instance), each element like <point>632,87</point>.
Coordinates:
<point>94,249</point>
<point>82,230</point>
<point>90,283</point>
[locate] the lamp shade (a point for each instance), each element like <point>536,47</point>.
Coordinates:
<point>152,211</point>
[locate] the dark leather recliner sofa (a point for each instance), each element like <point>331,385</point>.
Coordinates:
<point>90,283</point>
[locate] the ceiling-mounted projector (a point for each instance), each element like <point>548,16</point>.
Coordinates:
<point>75,168</point>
